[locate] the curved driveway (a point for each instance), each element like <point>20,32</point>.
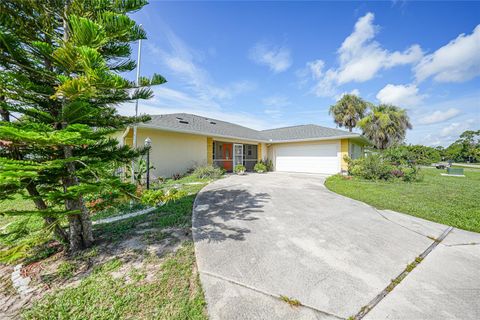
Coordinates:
<point>263,236</point>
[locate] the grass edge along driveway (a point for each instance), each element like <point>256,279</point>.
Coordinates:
<point>452,201</point>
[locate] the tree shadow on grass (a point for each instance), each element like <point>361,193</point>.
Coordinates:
<point>217,212</point>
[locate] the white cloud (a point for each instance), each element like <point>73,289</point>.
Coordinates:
<point>361,58</point>
<point>400,95</point>
<point>316,68</point>
<point>429,133</point>
<point>167,100</point>
<point>278,59</point>
<point>431,140</point>
<point>355,92</point>
<point>439,116</point>
<point>195,90</point>
<point>457,61</point>
<point>275,105</point>
<point>182,61</point>
<point>276,101</point>
<point>454,129</point>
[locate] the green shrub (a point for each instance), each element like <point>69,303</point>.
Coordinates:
<point>208,172</point>
<point>158,197</point>
<point>412,155</point>
<point>152,197</point>
<point>411,174</point>
<point>173,195</point>
<point>260,167</point>
<point>268,164</point>
<point>377,167</point>
<point>372,167</point>
<point>177,176</point>
<point>239,168</point>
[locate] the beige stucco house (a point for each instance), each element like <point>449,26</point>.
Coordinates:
<point>183,141</point>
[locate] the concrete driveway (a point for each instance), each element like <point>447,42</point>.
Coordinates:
<point>261,237</point>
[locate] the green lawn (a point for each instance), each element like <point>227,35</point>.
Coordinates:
<point>17,203</point>
<point>157,285</point>
<point>452,201</point>
<point>173,293</point>
<point>25,233</point>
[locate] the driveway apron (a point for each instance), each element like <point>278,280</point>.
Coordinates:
<point>266,241</point>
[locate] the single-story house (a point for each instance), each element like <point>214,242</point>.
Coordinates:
<point>182,141</point>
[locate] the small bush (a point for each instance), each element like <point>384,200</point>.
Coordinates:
<point>173,195</point>
<point>177,176</point>
<point>412,174</point>
<point>152,197</point>
<point>268,164</point>
<point>208,172</point>
<point>260,167</point>
<point>377,167</point>
<point>372,167</point>
<point>103,200</point>
<point>396,173</point>
<point>239,168</point>
<point>158,197</point>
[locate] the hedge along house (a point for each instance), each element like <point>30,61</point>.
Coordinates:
<point>183,141</point>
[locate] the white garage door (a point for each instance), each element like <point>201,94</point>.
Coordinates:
<point>311,158</point>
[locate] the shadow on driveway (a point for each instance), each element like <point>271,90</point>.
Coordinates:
<point>220,212</point>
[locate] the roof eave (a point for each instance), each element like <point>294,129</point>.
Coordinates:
<point>356,136</point>
<point>316,139</point>
<point>200,133</point>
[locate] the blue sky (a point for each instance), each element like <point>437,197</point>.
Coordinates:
<point>271,64</point>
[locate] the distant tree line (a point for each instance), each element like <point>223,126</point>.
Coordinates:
<point>386,127</point>
<point>465,149</point>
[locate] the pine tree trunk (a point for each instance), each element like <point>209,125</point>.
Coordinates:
<point>75,233</point>
<point>81,235</point>
<point>41,205</point>
<point>4,113</point>
<point>86,224</point>
<point>80,225</point>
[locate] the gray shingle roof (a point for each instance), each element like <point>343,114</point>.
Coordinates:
<point>184,122</point>
<point>201,125</point>
<point>302,132</point>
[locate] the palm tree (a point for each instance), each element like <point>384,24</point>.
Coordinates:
<point>348,111</point>
<point>386,125</point>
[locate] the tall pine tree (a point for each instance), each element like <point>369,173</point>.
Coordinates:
<point>61,63</point>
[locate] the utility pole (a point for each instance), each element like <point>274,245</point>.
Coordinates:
<point>134,144</point>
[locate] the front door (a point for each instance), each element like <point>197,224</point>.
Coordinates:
<point>227,156</point>
<point>238,156</point>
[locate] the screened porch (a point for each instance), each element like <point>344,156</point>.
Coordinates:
<point>227,155</point>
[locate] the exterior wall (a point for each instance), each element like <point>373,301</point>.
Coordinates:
<point>264,152</point>
<point>128,139</point>
<point>173,152</point>
<point>118,136</point>
<point>355,150</point>
<point>209,151</point>
<point>271,153</point>
<point>343,153</point>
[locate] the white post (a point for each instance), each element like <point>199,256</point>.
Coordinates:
<point>136,106</point>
